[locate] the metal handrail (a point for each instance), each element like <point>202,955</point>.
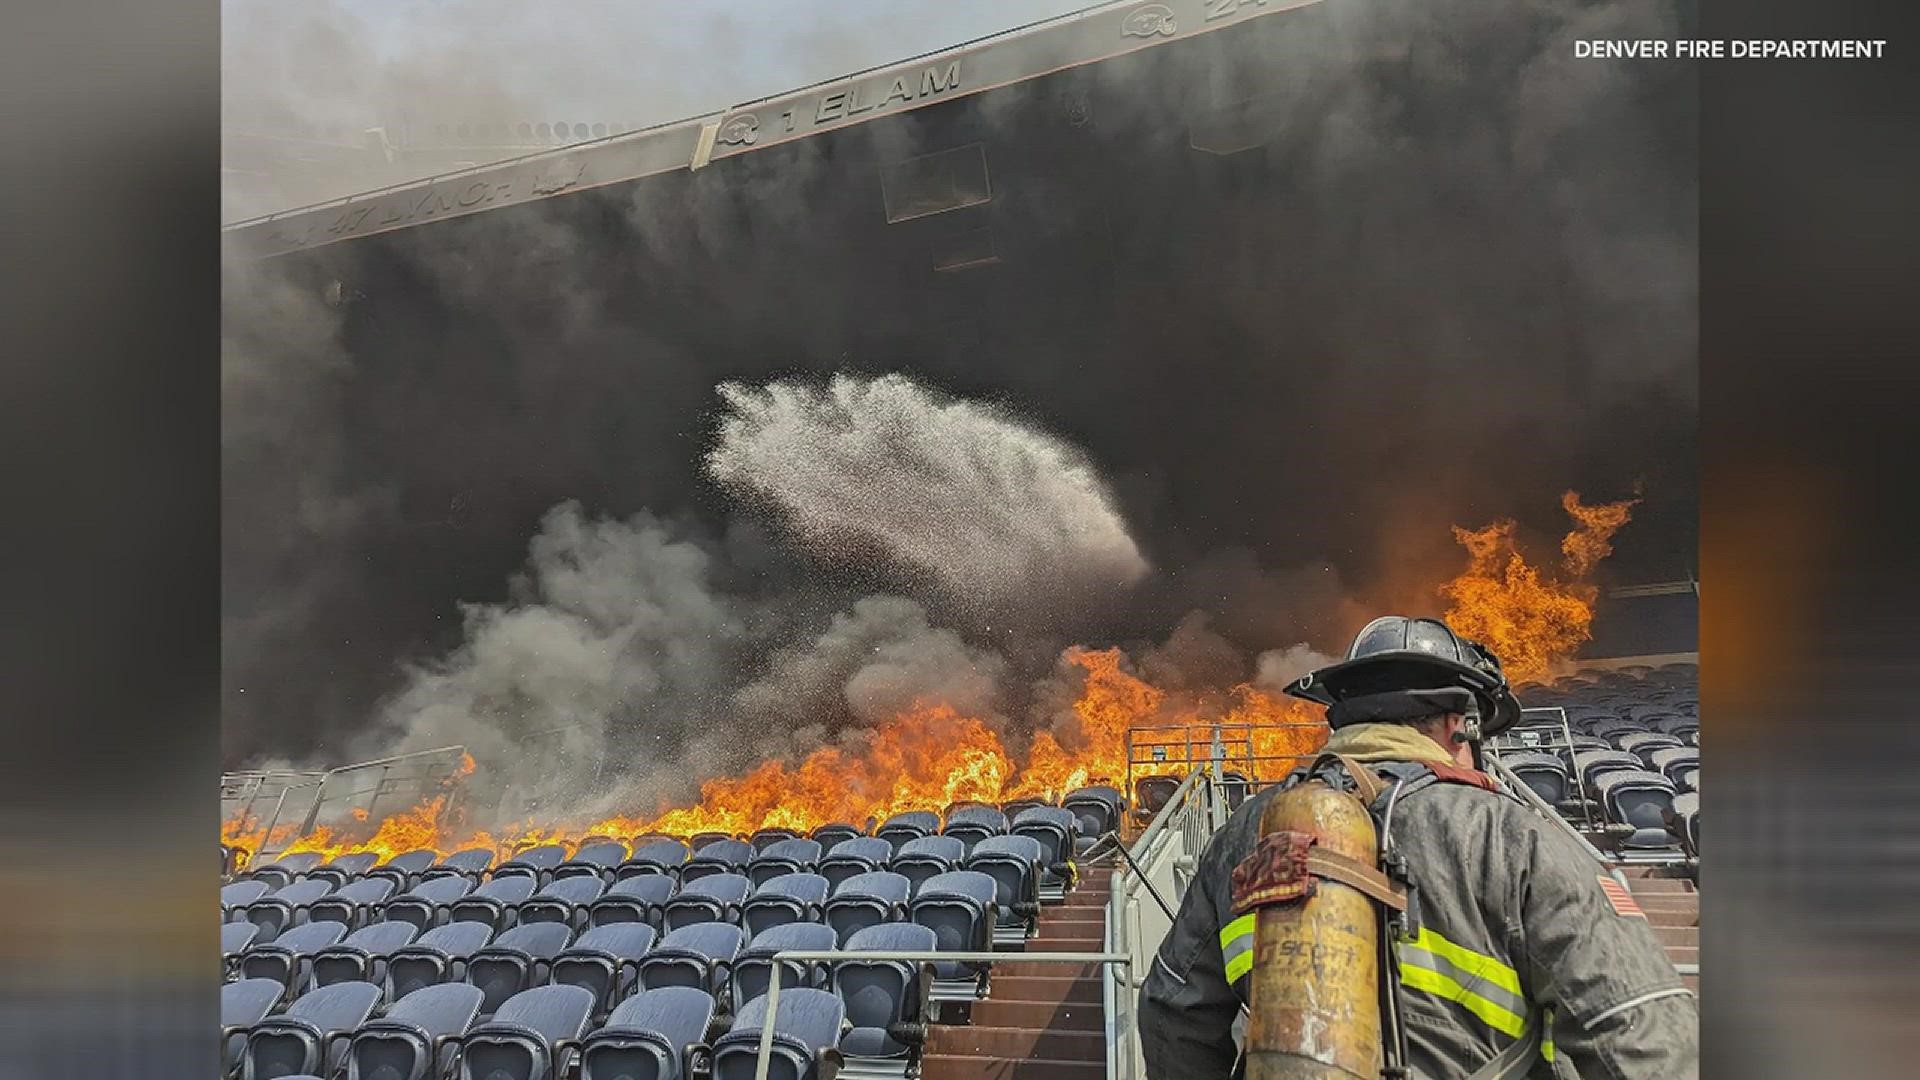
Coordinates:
<point>908,956</point>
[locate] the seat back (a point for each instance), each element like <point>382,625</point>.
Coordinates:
<point>470,863</point>
<point>404,869</point>
<point>517,959</point>
<point>344,868</point>
<point>793,856</point>
<point>358,956</point>
<point>298,1040</point>
<point>1013,862</point>
<point>762,839</point>
<point>605,960</point>
<point>242,1005</point>
<point>562,901</point>
<point>855,855</point>
<point>923,857</point>
<point>1639,798</point>
<point>699,956</point>
<point>434,957</point>
<point>538,863</point>
<point>649,1035</point>
<point>1544,773</point>
<point>632,899</point>
<point>400,1045</point>
<point>972,824</point>
<point>284,908</point>
<point>352,904</point>
<point>286,959</point>
<point>1096,809</point>
<point>495,902</point>
<point>878,993</point>
<point>1150,793</point>
<point>784,899</point>
<point>834,833</point>
<point>518,1043</point>
<point>957,906</point>
<point>595,858</point>
<point>424,905</point>
<point>241,893</point>
<point>654,857</point>
<point>728,856</point>
<point>236,936</point>
<point>900,828</point>
<point>865,900</point>
<point>713,898</point>
<point>1052,827</point>
<point>752,969</point>
<point>807,1023</point>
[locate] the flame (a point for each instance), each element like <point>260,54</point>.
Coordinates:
<point>1530,621</point>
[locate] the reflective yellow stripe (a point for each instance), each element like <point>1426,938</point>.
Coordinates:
<point>1478,983</point>
<point>1236,946</point>
<point>1546,1037</point>
<point>1494,1016</point>
<point>1479,965</point>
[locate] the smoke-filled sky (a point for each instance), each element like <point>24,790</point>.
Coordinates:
<point>720,463</point>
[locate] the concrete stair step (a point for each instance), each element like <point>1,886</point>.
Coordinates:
<point>1018,1044</point>
<point>1051,1015</point>
<point>1688,936</point>
<point>1681,954</point>
<point>1048,987</point>
<point>1638,886</point>
<point>969,1067</point>
<point>1019,968</point>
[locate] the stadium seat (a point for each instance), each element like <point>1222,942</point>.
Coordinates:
<point>884,998</point>
<point>362,955</point>
<point>752,969</point>
<point>1546,774</point>
<point>412,1041</point>
<point>788,898</point>
<point>1097,809</point>
<point>405,869</point>
<point>437,956</point>
<point>972,824</point>
<point>1013,862</point>
<point>352,904</point>
<point>287,959</point>
<point>654,857</point>
<point>1600,762</point>
<point>1673,760</point>
<point>1642,743</point>
<point>425,906</point>
<point>284,909</point>
<point>720,857</point>
<point>242,1005</point>
<point>239,895</point>
<point>1054,828</point>
<point>700,956</point>
<point>494,903</point>
<point>1151,793</point>
<point>563,901</point>
<point>789,856</point>
<point>1684,823</point>
<point>536,862</point>
<point>234,939</point>
<point>605,960</point>
<point>310,1037</point>
<point>1641,799</point>
<point>517,959</point>
<point>282,871</point>
<point>762,839</point>
<point>1012,807</point>
<point>714,898</point>
<point>834,832</point>
<point>657,1034</point>
<point>471,864</point>
<point>596,859</point>
<point>806,1036</point>
<point>864,900</point>
<point>632,900</point>
<point>524,1038</point>
<point>923,857</point>
<point>855,855</point>
<point>1235,786</point>
<point>958,907</point>
<point>345,868</point>
<point>912,825</point>
<point>700,840</point>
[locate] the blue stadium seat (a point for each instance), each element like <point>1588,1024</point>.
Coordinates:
<point>762,839</point>
<point>605,960</point>
<point>425,905</point>
<point>752,970</point>
<point>834,832</point>
<point>884,998</point>
<point>413,1041</point>
<point>700,956</point>
<point>1641,799</point>
<point>531,1036</point>
<point>538,863</point>
<point>806,1036</point>
<point>1013,862</point>
<point>405,869</point>
<point>344,868</point>
<point>1054,828</point>
<point>785,899</point>
<point>923,857</point>
<point>362,955</point>
<point>520,958</point>
<point>856,855</point>
<point>958,907</point>
<point>654,1035</point>
<point>865,900</point>
<point>637,899</point>
<point>310,1037</point>
<point>791,856</point>
<point>913,824</point>
<point>1097,809</point>
<point>437,956</point>
<point>564,901</point>
<point>284,870</point>
<point>288,958</point>
<point>471,864</point>
<point>597,858</point>
<point>352,904</point>
<point>494,903</point>
<point>972,824</point>
<point>727,856</point>
<point>284,908</point>
<point>714,898</point>
<point>242,1005</point>
<point>654,857</point>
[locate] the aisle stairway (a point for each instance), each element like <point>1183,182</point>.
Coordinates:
<point>1672,904</point>
<point>1040,1020</point>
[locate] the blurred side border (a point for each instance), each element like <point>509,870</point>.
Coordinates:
<point>1810,333</point>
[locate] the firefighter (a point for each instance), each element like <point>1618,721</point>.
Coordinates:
<point>1521,957</point>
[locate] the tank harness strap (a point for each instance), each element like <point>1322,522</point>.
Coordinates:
<point>1365,779</point>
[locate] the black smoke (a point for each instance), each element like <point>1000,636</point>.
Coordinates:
<point>1450,274</point>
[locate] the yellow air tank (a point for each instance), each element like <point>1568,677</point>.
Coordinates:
<point>1315,1008</point>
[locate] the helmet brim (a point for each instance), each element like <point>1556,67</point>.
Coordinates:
<point>1410,670</point>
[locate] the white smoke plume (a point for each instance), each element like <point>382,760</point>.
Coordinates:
<point>1275,668</point>
<point>994,509</point>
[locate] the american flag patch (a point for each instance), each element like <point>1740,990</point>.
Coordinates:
<point>1620,898</point>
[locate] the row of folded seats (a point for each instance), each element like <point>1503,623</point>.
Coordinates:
<point>525,1005</point>
<point>861,878</point>
<point>1654,789</point>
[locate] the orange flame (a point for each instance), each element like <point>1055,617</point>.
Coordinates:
<point>1530,621</point>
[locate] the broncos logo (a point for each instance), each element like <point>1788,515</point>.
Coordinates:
<point>1148,21</point>
<point>743,129</point>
